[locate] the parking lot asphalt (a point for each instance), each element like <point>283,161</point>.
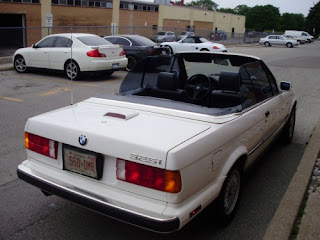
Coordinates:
<point>301,200</point>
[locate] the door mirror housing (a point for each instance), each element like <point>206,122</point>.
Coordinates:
<point>285,86</point>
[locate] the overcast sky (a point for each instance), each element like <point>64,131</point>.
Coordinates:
<point>285,6</point>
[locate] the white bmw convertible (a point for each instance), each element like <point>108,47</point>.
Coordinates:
<point>179,135</point>
<point>194,43</point>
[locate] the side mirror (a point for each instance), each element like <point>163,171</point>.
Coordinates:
<point>34,46</point>
<point>285,86</point>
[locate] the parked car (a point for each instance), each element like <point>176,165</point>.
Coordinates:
<point>306,36</point>
<point>137,47</point>
<point>164,36</point>
<point>194,43</point>
<point>184,35</point>
<point>179,135</point>
<point>72,53</point>
<point>300,40</point>
<point>278,40</point>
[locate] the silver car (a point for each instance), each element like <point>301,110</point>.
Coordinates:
<point>278,40</point>
<point>164,36</point>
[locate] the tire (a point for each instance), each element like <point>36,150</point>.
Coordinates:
<point>289,45</point>
<point>72,70</point>
<point>131,62</point>
<point>229,198</point>
<point>299,42</point>
<point>170,49</point>
<point>19,64</point>
<point>267,44</point>
<point>288,129</point>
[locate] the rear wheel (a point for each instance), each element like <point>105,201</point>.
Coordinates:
<point>288,130</point>
<point>72,70</point>
<point>229,197</point>
<point>267,44</point>
<point>289,45</point>
<point>20,64</point>
<point>131,62</point>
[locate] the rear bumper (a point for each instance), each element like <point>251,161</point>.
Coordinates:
<point>99,205</point>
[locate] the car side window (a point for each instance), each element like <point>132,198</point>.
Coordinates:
<point>48,42</point>
<point>63,42</point>
<point>123,42</point>
<point>260,83</point>
<point>188,40</point>
<point>113,40</point>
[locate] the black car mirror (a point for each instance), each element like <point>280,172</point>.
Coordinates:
<point>285,86</point>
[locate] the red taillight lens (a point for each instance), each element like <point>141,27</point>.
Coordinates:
<point>215,47</point>
<point>95,53</point>
<point>123,53</point>
<point>41,145</point>
<point>149,51</point>
<point>150,177</point>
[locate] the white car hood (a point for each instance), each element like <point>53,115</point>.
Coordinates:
<point>136,132</point>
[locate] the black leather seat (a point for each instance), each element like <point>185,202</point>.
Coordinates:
<point>228,94</point>
<point>167,87</point>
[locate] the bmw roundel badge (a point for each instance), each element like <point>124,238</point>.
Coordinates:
<point>83,139</point>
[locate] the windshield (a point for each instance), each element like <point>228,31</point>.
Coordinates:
<point>94,41</point>
<point>203,40</point>
<point>188,79</point>
<point>142,41</point>
<point>161,33</point>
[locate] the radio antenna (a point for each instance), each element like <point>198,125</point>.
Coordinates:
<point>71,79</point>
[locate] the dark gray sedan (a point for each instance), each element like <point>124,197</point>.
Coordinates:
<point>137,47</point>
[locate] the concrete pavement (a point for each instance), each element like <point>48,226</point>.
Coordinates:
<point>296,198</point>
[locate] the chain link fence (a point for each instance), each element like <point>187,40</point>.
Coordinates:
<point>16,37</point>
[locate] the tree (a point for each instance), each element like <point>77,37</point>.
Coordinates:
<point>242,9</point>
<point>205,4</point>
<point>292,21</point>
<point>261,18</point>
<point>313,20</point>
<point>226,10</point>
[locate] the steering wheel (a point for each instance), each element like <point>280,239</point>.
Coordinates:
<point>198,86</point>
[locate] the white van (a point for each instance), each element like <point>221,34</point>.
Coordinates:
<point>302,34</point>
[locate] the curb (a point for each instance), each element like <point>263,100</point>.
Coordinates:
<point>6,67</point>
<point>284,218</point>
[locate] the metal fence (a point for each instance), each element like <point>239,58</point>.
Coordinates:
<point>16,37</point>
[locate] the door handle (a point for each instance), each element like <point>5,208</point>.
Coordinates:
<point>267,113</point>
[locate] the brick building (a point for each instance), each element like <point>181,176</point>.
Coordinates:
<point>28,19</point>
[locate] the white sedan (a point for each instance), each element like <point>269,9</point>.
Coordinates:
<point>194,43</point>
<point>72,53</point>
<point>179,135</point>
<point>278,40</point>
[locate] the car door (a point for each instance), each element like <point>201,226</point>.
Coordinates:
<point>60,53</point>
<point>39,56</point>
<point>269,112</point>
<point>187,44</point>
<point>272,40</point>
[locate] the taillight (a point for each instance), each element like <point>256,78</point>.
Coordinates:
<point>149,51</point>
<point>123,53</point>
<point>215,47</point>
<point>41,145</point>
<point>147,176</point>
<point>95,53</point>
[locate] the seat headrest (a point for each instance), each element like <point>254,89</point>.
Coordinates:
<point>229,81</point>
<point>167,81</point>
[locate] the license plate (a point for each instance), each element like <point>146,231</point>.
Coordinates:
<point>83,162</point>
<point>115,65</point>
